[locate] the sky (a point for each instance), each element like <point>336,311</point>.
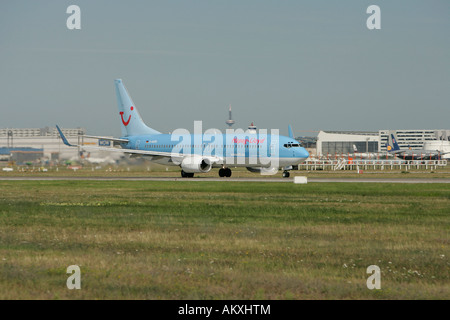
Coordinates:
<point>312,64</point>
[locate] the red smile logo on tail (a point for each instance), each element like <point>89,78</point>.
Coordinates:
<point>125,123</point>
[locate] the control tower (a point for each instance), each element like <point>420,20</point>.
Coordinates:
<point>230,121</point>
<point>251,128</point>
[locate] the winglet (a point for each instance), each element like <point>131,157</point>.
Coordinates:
<point>291,133</point>
<point>64,138</point>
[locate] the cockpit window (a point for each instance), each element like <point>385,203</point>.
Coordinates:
<point>292,145</point>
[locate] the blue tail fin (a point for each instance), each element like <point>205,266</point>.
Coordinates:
<point>394,146</point>
<point>131,121</point>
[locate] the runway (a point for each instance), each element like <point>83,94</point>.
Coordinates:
<point>210,179</point>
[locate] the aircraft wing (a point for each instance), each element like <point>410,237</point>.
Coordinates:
<point>173,155</point>
<point>176,157</point>
<point>107,138</point>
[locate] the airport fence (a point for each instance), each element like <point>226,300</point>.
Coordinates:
<point>358,165</point>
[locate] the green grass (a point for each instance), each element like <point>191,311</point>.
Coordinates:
<point>213,240</point>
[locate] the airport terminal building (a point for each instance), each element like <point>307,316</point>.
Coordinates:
<point>343,142</point>
<point>45,145</point>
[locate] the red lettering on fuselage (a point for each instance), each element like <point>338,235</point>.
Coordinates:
<point>247,141</point>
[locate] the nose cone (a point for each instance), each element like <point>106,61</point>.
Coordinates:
<point>303,153</point>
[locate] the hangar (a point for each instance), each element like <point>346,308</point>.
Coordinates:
<point>341,142</point>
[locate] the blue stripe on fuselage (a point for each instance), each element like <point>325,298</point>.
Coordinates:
<point>239,145</point>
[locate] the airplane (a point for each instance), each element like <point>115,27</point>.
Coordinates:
<point>199,153</point>
<point>369,155</point>
<point>418,154</point>
<point>362,155</point>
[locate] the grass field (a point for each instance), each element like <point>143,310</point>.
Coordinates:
<point>212,240</point>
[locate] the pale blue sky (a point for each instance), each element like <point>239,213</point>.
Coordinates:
<point>311,64</point>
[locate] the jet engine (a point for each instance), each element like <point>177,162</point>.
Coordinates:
<point>195,165</point>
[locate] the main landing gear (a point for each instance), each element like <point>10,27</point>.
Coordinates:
<point>186,174</point>
<point>225,172</point>
<point>286,174</point>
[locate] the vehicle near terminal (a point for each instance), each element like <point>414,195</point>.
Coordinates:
<point>200,152</point>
